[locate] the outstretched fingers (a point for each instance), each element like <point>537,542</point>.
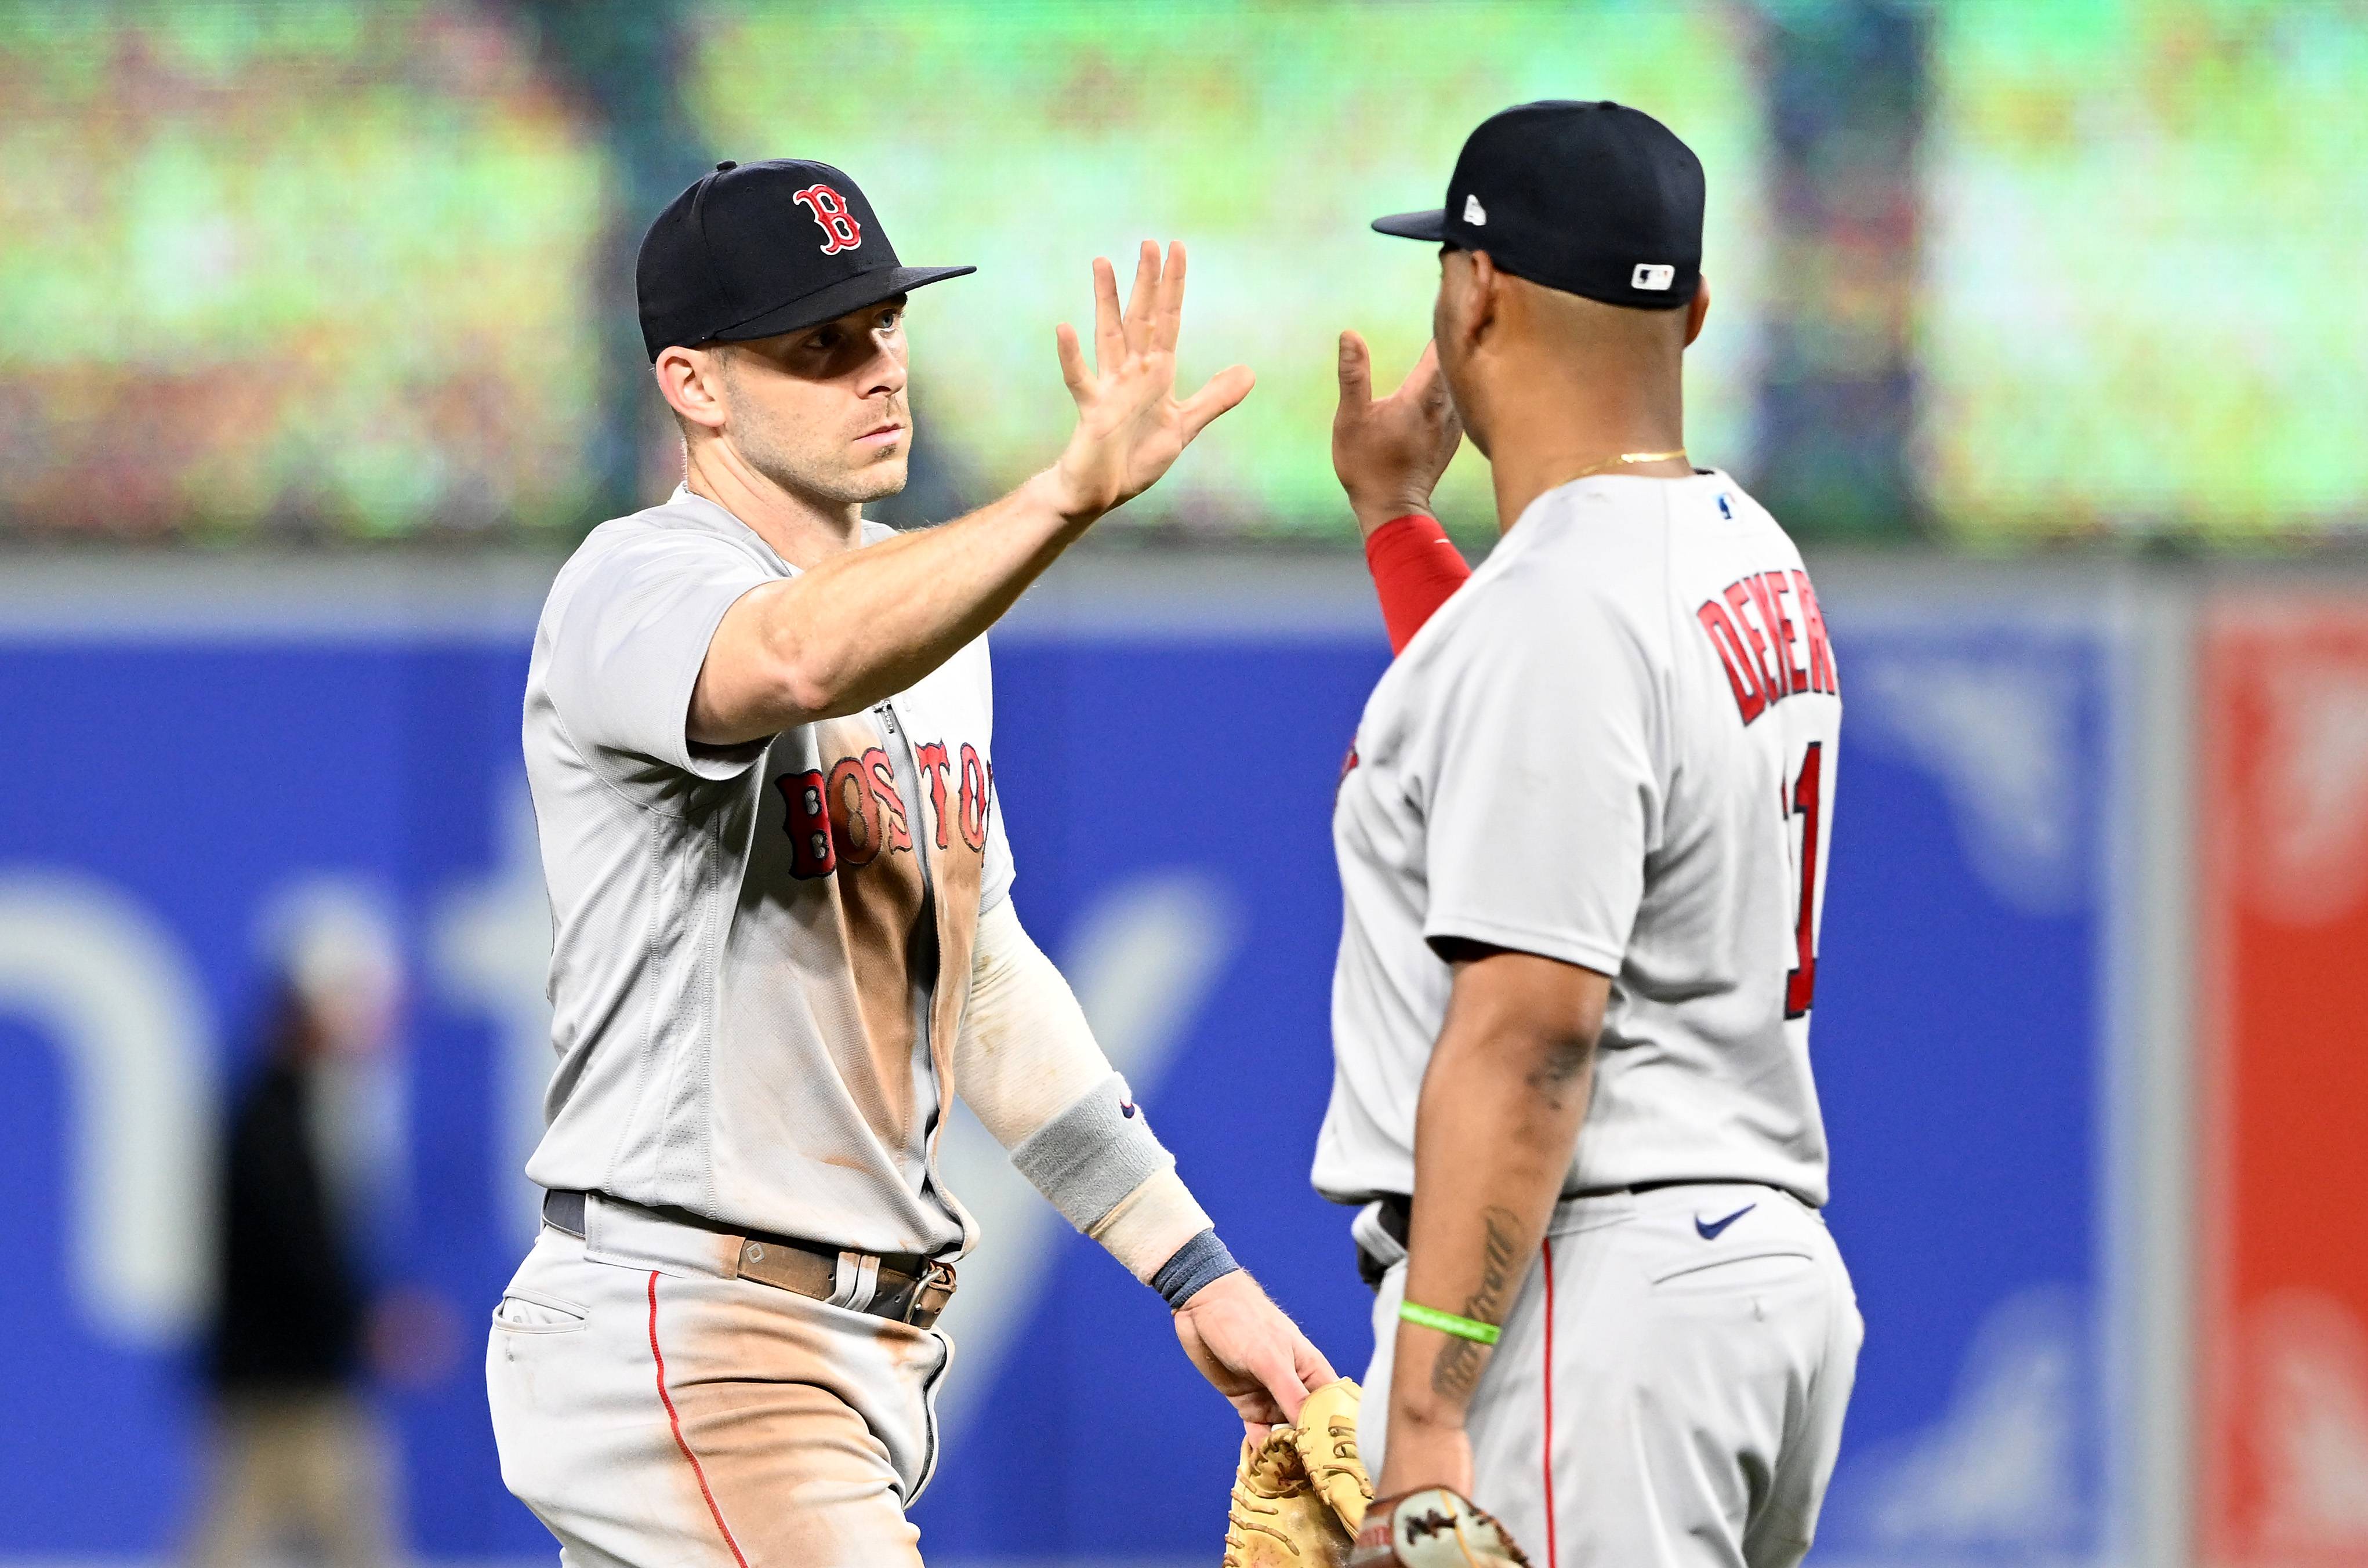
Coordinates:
<point>1073,362</point>
<point>1168,324</point>
<point>1356,375</point>
<point>1110,333</point>
<point>1224,391</point>
<point>1143,302</point>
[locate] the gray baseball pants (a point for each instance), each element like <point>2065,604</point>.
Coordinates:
<point>653,1411</point>
<point>1670,1387</point>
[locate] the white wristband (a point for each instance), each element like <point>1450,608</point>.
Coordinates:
<point>1150,1224</point>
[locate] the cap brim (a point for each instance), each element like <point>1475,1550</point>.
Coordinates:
<point>1430,225</point>
<point>828,304</point>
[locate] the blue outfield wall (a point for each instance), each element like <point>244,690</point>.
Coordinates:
<point>1167,796</point>
<point>1959,1045</point>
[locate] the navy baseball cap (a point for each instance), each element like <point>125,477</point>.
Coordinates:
<point>754,249</point>
<point>1592,199</point>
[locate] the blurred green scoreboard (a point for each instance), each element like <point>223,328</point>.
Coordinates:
<point>290,267</point>
<point>1030,138</point>
<point>317,267</point>
<point>2145,258</point>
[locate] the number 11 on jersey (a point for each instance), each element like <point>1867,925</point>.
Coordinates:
<point>1808,804</point>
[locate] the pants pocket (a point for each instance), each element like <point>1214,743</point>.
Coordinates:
<point>932,1433</point>
<point>524,1309</point>
<point>1771,1266</point>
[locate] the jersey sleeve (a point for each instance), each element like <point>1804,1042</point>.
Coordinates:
<point>1541,793</point>
<point>627,649</point>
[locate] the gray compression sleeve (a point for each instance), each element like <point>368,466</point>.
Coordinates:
<point>1093,1153</point>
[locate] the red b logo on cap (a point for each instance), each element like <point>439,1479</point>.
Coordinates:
<point>829,209</point>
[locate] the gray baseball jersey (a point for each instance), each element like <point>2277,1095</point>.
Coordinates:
<point>1615,747</point>
<point>760,954</point>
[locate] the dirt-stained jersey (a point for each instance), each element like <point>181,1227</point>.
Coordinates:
<point>1613,747</point>
<point>760,954</point>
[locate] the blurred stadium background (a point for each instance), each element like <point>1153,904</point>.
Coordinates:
<point>2044,326</point>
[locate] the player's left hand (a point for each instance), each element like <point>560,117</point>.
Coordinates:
<point>1256,1356</point>
<point>1131,424</point>
<point>1389,452</point>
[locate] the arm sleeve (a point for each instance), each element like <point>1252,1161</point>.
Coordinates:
<point>1543,794</point>
<point>628,649</point>
<point>1026,1061</point>
<point>1415,569</point>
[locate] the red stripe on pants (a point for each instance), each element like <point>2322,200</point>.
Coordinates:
<point>674,1422</point>
<point>1547,1247</point>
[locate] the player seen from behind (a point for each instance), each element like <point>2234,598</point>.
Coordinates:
<point>1581,840</point>
<point>758,735</point>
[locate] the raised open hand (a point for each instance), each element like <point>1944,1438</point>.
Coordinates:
<point>1389,454</point>
<point>1130,424</point>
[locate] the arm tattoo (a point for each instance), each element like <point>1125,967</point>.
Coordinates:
<point>1456,1369</point>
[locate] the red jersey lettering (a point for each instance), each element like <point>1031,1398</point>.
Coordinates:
<point>806,819</point>
<point>899,832</point>
<point>1823,673</point>
<point>1749,700</point>
<point>1791,657</point>
<point>1779,660</point>
<point>1738,599</point>
<point>974,786</point>
<point>933,762</point>
<point>854,812</point>
<point>1795,675</point>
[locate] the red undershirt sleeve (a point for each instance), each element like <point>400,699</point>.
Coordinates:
<point>1414,568</point>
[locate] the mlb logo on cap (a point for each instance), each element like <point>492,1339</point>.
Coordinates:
<point>1654,275</point>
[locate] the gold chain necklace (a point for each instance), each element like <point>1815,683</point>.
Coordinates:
<point>1626,458</point>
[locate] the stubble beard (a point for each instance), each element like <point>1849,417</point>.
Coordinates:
<point>827,478</point>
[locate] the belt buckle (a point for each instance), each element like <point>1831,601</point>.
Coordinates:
<point>930,1294</point>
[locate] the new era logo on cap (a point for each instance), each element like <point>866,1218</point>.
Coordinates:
<point>1474,214</point>
<point>1652,275</point>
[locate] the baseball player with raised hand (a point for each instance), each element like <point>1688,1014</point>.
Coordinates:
<point>1582,843</point>
<point>757,732</point>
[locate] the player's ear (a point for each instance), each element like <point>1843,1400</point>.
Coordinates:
<point>691,380</point>
<point>1697,312</point>
<point>1487,299</point>
<point>1466,303</point>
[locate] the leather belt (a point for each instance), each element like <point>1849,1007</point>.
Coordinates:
<point>901,1287</point>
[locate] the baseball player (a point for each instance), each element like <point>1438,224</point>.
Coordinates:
<point>757,732</point>
<point>1582,843</point>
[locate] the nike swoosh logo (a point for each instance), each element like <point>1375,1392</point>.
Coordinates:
<point>1709,1233</point>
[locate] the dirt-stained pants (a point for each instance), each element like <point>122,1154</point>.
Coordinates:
<point>652,1410</point>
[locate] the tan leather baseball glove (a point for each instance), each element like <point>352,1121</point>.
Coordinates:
<point>1299,1497</point>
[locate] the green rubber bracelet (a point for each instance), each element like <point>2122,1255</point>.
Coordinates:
<point>1447,1323</point>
